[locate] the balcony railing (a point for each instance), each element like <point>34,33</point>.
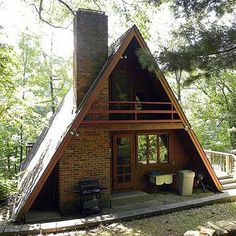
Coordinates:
<point>222,163</point>
<point>131,112</point>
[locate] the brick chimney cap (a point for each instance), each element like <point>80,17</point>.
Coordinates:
<point>91,11</point>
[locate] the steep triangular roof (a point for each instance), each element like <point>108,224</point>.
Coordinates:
<point>39,161</point>
<point>51,147</point>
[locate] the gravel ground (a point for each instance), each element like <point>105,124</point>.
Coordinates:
<point>172,224</point>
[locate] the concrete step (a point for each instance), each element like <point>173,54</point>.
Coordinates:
<point>229,186</point>
<point>121,198</point>
<point>228,181</point>
<point>224,177</point>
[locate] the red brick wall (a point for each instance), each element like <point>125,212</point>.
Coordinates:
<point>103,96</point>
<point>87,156</point>
<point>90,49</point>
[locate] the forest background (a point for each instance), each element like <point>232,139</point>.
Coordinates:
<point>194,43</point>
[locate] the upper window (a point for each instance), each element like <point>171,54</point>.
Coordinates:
<point>121,91</point>
<point>120,86</point>
<point>152,148</point>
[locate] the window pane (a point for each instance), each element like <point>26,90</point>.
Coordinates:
<point>127,178</point>
<point>120,87</point>
<point>128,170</point>
<point>123,148</point>
<point>119,170</point>
<point>142,149</point>
<point>152,148</point>
<point>163,148</point>
<point>121,91</point>
<point>120,179</point>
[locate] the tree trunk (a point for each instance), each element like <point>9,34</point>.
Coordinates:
<point>24,81</point>
<point>8,164</point>
<point>52,94</point>
<point>51,79</point>
<point>178,82</point>
<point>8,159</point>
<point>21,146</point>
<point>16,152</point>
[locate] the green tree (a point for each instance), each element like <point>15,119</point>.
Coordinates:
<point>176,63</point>
<point>26,97</point>
<point>43,81</point>
<point>206,50</point>
<point>8,143</point>
<point>211,104</point>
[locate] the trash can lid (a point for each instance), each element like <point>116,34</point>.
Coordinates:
<point>187,172</point>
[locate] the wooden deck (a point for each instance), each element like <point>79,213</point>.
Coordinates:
<point>73,224</point>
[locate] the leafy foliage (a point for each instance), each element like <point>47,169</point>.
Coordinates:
<point>213,110</point>
<point>7,67</point>
<point>202,57</point>
<point>199,58</point>
<point>7,187</point>
<point>26,101</point>
<point>146,60</point>
<point>203,8</point>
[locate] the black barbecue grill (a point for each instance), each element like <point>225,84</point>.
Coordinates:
<point>90,199</point>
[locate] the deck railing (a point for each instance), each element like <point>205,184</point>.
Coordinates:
<point>131,112</point>
<point>223,163</point>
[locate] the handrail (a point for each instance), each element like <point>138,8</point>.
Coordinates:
<point>98,111</point>
<point>134,102</point>
<point>222,162</point>
<point>135,111</point>
<point>220,153</point>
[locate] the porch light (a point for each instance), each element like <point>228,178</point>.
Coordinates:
<point>124,57</point>
<point>74,133</point>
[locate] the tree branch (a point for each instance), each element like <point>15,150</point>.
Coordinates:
<point>223,66</point>
<point>225,97</point>
<point>67,6</point>
<point>222,51</point>
<point>228,88</point>
<point>40,9</point>
<point>97,4</point>
<point>45,21</point>
<point>221,120</point>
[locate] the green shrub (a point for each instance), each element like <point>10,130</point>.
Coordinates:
<point>7,187</point>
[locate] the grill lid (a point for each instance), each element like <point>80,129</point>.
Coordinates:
<point>86,186</point>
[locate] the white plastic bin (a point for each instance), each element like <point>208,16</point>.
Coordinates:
<point>185,179</point>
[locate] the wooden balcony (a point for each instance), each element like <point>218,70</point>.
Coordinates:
<point>104,112</point>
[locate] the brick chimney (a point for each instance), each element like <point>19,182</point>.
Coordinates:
<point>90,49</point>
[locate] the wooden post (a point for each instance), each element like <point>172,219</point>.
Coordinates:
<point>233,166</point>
<point>172,113</point>
<point>227,166</point>
<point>136,114</point>
<point>93,111</point>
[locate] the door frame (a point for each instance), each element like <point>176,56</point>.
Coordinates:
<point>122,186</point>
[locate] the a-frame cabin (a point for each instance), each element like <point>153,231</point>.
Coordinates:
<point>119,122</point>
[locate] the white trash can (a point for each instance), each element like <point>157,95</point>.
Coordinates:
<point>185,179</point>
